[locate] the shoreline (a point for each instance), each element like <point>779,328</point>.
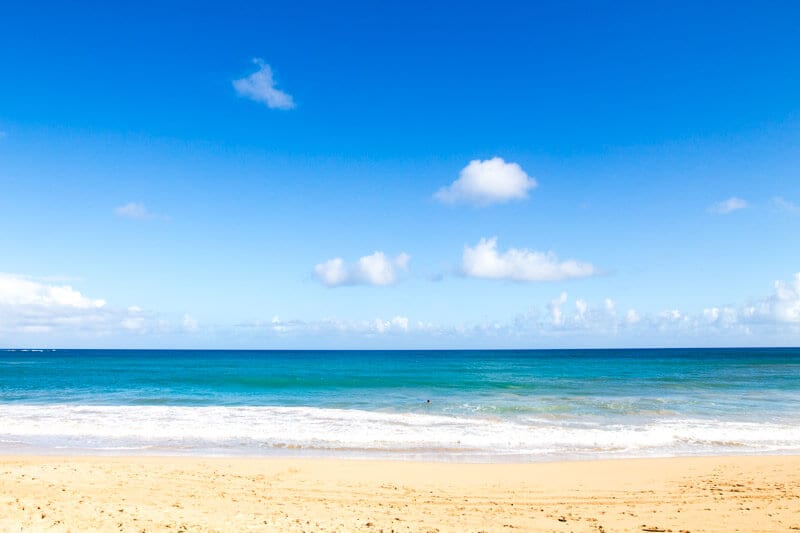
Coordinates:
<point>426,457</point>
<point>191,493</point>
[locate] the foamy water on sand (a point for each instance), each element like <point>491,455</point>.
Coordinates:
<point>484,405</point>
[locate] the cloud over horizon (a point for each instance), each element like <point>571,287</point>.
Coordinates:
<point>29,306</point>
<point>784,303</point>
<point>260,87</point>
<point>576,322</point>
<point>484,261</point>
<point>483,183</point>
<point>396,324</point>
<point>46,314</point>
<point>375,269</point>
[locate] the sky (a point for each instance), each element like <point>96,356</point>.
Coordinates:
<point>399,175</point>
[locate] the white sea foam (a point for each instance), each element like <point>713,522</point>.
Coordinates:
<point>270,430</point>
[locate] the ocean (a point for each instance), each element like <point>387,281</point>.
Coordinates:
<point>471,406</point>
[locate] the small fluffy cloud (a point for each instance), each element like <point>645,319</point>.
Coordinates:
<point>585,316</point>
<point>786,205</point>
<point>136,211</point>
<point>632,317</point>
<point>375,269</point>
<point>190,323</point>
<point>260,86</point>
<point>332,272</point>
<point>488,182</point>
<point>728,206</point>
<point>784,304</point>
<point>484,261</point>
<point>555,309</point>
<point>581,306</point>
<point>398,323</point>
<point>402,260</point>
<point>720,315</point>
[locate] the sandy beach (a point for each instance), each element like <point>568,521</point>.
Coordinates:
<point>39,493</point>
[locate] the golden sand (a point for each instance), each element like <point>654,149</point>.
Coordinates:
<point>201,494</point>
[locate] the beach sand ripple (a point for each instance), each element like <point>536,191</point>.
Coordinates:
<point>138,494</point>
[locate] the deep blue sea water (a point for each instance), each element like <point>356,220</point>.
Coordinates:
<point>484,405</point>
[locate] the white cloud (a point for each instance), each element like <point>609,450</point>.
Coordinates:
<point>786,205</point>
<point>632,317</point>
<point>260,86</point>
<point>488,182</point>
<point>777,315</point>
<point>375,269</point>
<point>728,206</point>
<point>599,318</point>
<point>28,305</point>
<point>397,323</point>
<point>133,323</point>
<point>671,315</point>
<point>402,260</point>
<point>189,323</point>
<point>41,312</point>
<point>725,316</point>
<point>332,272</point>
<point>581,306</point>
<point>22,291</point>
<point>555,309</point>
<point>782,307</point>
<point>377,326</point>
<point>136,211</point>
<point>484,261</point>
<point>784,304</point>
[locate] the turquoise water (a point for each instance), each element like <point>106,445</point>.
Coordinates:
<point>484,405</point>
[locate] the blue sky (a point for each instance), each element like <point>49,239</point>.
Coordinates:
<point>390,176</point>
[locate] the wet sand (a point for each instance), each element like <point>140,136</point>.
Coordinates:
<point>242,494</point>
